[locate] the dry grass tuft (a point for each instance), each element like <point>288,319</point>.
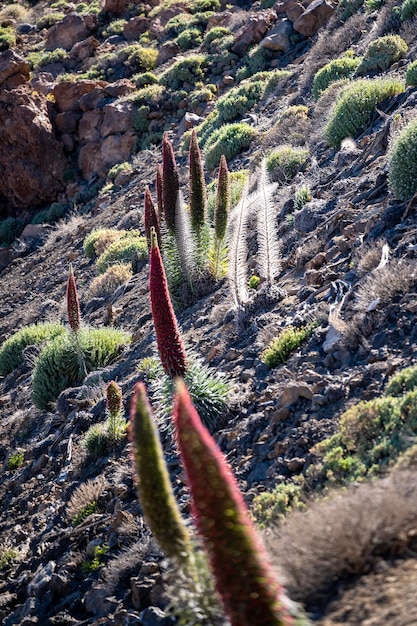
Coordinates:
<point>85,495</point>
<point>106,284</point>
<point>385,284</point>
<point>344,534</point>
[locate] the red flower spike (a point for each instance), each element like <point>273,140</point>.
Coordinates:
<point>151,219</point>
<point>222,208</point>
<point>170,184</point>
<point>197,185</point>
<point>73,305</point>
<point>159,196</point>
<point>244,579</point>
<point>113,398</point>
<point>170,345</point>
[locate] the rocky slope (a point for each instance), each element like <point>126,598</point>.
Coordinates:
<point>347,263</point>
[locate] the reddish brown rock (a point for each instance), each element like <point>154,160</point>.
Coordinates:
<point>32,160</point>
<point>67,122</point>
<point>11,65</point>
<point>314,17</point>
<point>118,118</point>
<point>96,157</point>
<point>120,88</point>
<point>66,33</point>
<point>117,7</point>
<point>67,94</point>
<point>89,126</point>
<point>253,31</point>
<point>43,83</point>
<point>84,49</point>
<point>167,51</point>
<point>135,27</point>
<point>278,38</point>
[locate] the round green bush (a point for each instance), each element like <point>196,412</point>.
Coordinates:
<point>229,140</point>
<point>122,251</point>
<point>408,10</point>
<point>355,105</point>
<point>411,74</point>
<point>403,163</point>
<point>335,70</point>
<point>60,365</point>
<point>11,351</point>
<point>382,53</point>
<point>189,38</point>
<point>284,162</point>
<point>189,70</point>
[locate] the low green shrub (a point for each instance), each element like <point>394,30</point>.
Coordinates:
<point>382,53</point>
<point>189,38</point>
<point>203,6</point>
<point>271,507</point>
<point>122,251</point>
<point>8,556</point>
<point>285,161</point>
<point>85,512</point>
<point>301,197</point>
<point>253,282</point>
<point>184,72</point>
<point>10,229</point>
<point>106,284</point>
<point>230,140</point>
<point>402,163</point>
<point>408,10</point>
<point>15,460</point>
<point>92,564</point>
<point>49,19</point>
<point>256,60</point>
<point>7,37</point>
<point>118,169</point>
<point>355,106</point>
<point>282,346</point>
<point>197,97</point>
<point>405,380</point>
<point>215,36</point>
<point>177,24</point>
<point>114,28</point>
<point>11,351</point>
<point>237,183</point>
<point>411,74</point>
<point>99,240</point>
<point>371,436</point>
<point>333,71</point>
<point>58,365</point>
<point>100,439</point>
<point>145,79</point>
<point>55,212</point>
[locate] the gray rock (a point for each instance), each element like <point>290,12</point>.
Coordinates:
<point>152,616</point>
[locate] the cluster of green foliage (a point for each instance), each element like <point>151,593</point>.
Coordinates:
<point>237,183</point>
<point>333,71</point>
<point>51,215</point>
<point>118,169</point>
<point>230,140</point>
<point>184,73</point>
<point>253,282</point>
<point>106,284</point>
<point>7,37</point>
<point>7,557</point>
<point>114,28</point>
<point>408,10</point>
<point>382,53</point>
<point>355,106</point>
<point>15,461</point>
<point>49,19</point>
<point>218,39</point>
<point>58,365</point>
<point>372,434</point>
<point>85,512</point>
<point>99,240</point>
<point>92,564</point>
<point>272,506</point>
<point>122,251</point>
<point>189,38</point>
<point>411,74</point>
<point>281,347</point>
<point>145,79</point>
<point>10,229</point>
<point>124,63</point>
<point>301,197</point>
<point>46,57</point>
<point>285,161</point>
<point>11,351</point>
<point>403,163</point>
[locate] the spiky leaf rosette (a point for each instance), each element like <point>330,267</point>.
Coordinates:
<point>244,579</point>
<point>222,207</point>
<point>170,346</point>
<point>152,481</point>
<point>151,219</point>
<point>170,183</point>
<point>159,195</point>
<point>197,185</point>
<point>113,398</point>
<point>73,305</point>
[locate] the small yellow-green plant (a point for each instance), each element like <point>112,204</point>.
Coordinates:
<point>302,196</point>
<point>15,461</point>
<point>382,53</point>
<point>97,559</point>
<point>106,284</point>
<point>287,342</point>
<point>403,163</point>
<point>272,506</point>
<point>230,140</point>
<point>355,106</point>
<point>11,351</point>
<point>49,19</point>
<point>401,383</point>
<point>118,169</point>
<point>411,74</point>
<point>253,282</point>
<point>333,71</point>
<point>184,71</point>
<point>408,9</point>
<point>122,251</point>
<point>88,510</point>
<point>8,556</point>
<point>285,161</point>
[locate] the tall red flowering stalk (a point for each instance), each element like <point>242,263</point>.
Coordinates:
<point>159,196</point>
<point>73,305</point>
<point>245,581</point>
<point>151,219</point>
<point>170,345</point>
<point>197,185</point>
<point>113,398</point>
<point>153,483</point>
<point>222,207</point>
<point>170,184</point>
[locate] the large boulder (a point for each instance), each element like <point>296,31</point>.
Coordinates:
<point>66,33</point>
<point>32,160</point>
<point>14,70</point>
<point>96,157</point>
<point>314,17</point>
<point>278,38</point>
<point>68,94</point>
<point>253,31</point>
